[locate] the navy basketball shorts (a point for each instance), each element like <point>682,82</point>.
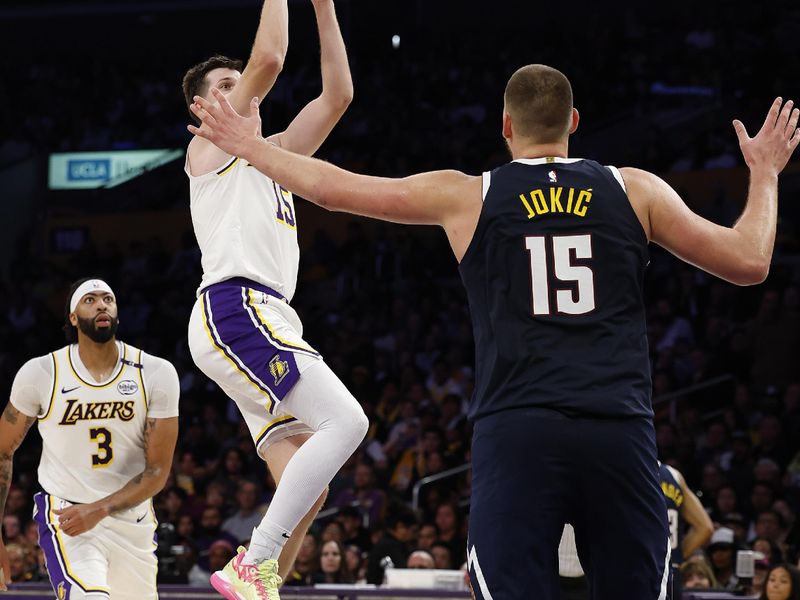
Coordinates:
<point>534,470</point>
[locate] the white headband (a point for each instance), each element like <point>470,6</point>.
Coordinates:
<point>92,285</point>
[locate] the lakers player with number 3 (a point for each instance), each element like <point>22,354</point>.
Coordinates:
<point>243,334</point>
<point>108,416</point>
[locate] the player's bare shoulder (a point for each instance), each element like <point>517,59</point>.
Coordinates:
<point>642,188</point>
<point>203,157</point>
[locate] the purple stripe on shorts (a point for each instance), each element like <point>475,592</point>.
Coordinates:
<point>58,579</point>
<point>240,339</point>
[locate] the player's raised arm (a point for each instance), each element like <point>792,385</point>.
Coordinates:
<point>266,57</point>
<point>740,254</point>
<point>448,198</point>
<point>222,73</point>
<point>313,124</point>
<point>13,427</point>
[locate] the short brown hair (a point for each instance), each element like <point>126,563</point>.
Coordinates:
<point>194,82</point>
<point>539,100</point>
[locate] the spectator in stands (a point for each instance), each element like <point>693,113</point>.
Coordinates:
<point>370,500</point>
<point>333,530</point>
<point>210,531</point>
<point>241,523</point>
<point>736,522</point>
<point>420,559</point>
<point>791,528</point>
<point>333,566</point>
<point>448,524</point>
<point>761,567</point>
<point>762,497</point>
<point>769,524</point>
<point>724,503</point>
<point>393,544</point>
<point>12,530</point>
<point>769,548</point>
<point>219,553</point>
<point>356,562</point>
<point>722,554</point>
<point>306,563</point>
<point>697,574</point>
<point>783,583</point>
<point>21,563</point>
<point>426,536</point>
<point>442,555</point>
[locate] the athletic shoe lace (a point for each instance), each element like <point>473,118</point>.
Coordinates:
<point>268,580</point>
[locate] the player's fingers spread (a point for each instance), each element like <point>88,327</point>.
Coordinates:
<point>254,106</point>
<point>790,128</point>
<point>772,115</point>
<point>786,112</point>
<point>795,139</point>
<point>200,101</point>
<point>224,105</point>
<point>204,115</point>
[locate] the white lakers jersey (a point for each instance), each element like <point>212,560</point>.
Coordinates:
<point>93,433</point>
<point>245,226</point>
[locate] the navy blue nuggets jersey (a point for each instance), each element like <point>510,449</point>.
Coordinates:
<point>673,496</point>
<point>554,277</point>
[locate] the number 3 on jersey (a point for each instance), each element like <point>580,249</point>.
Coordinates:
<point>562,249</point>
<point>105,454</point>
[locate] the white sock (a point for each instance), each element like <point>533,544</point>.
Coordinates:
<point>266,542</point>
<point>322,402</point>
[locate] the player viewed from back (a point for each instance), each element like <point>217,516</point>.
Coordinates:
<point>108,416</point>
<point>552,253</point>
<point>683,507</point>
<point>243,333</point>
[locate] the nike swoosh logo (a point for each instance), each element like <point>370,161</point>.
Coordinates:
<point>67,391</point>
<point>140,519</point>
<point>286,535</point>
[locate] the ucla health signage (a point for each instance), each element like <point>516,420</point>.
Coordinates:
<point>83,170</point>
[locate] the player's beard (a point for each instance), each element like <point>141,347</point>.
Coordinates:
<point>100,336</point>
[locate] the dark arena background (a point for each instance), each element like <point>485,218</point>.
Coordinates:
<point>92,144</point>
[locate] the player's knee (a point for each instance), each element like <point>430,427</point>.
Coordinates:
<point>360,424</point>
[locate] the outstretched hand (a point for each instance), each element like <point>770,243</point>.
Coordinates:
<point>223,126</point>
<point>776,140</point>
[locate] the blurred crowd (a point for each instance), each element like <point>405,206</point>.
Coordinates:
<point>385,306</point>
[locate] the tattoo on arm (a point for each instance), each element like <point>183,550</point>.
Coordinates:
<point>148,429</point>
<point>121,503</point>
<point>12,416</point>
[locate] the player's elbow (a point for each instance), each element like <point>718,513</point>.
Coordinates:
<point>706,531</point>
<point>337,101</point>
<point>158,476</point>
<point>752,272</point>
<point>344,97</point>
<point>268,61</point>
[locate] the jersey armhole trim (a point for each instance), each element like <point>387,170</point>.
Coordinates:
<point>141,381</point>
<point>618,176</point>
<point>55,387</point>
<point>487,182</point>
